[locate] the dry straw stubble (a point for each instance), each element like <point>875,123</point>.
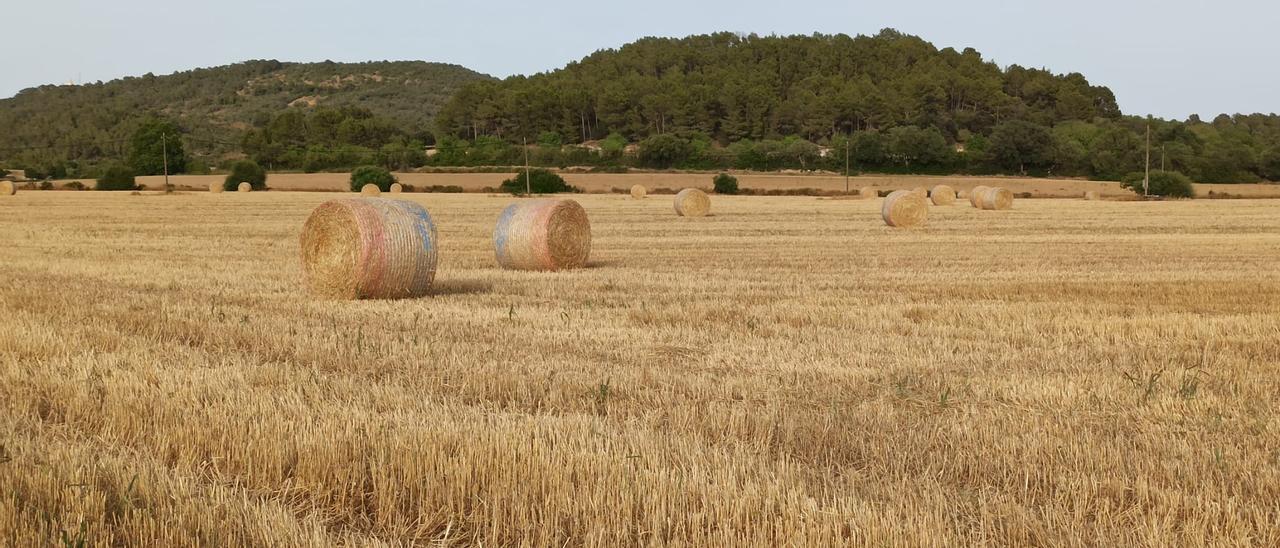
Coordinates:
<point>692,202</point>
<point>546,234</point>
<point>369,248</point>
<point>904,209</point>
<point>942,195</point>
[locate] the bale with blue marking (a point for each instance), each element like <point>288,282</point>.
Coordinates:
<point>550,234</point>
<point>369,248</point>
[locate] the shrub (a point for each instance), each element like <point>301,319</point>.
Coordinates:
<point>74,185</point>
<point>725,184</point>
<point>372,175</point>
<point>117,177</point>
<point>245,171</point>
<point>1163,183</point>
<point>46,185</point>
<point>541,181</point>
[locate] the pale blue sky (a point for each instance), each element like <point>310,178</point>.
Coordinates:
<point>1170,58</point>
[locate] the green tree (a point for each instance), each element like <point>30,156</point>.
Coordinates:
<point>912,145</point>
<point>1020,145</point>
<point>1162,183</point>
<point>541,181</point>
<point>374,175</point>
<point>117,177</point>
<point>148,145</point>
<point>664,151</point>
<point>245,171</point>
<point>725,184</point>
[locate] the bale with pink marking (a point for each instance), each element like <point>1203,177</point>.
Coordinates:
<point>369,248</point>
<point>549,234</point>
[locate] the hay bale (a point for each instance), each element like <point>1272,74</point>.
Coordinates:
<point>942,195</point>
<point>1091,195</point>
<point>997,199</point>
<point>369,248</point>
<point>975,196</point>
<point>692,202</point>
<point>397,188</point>
<point>867,192</point>
<point>370,189</point>
<point>921,191</point>
<point>549,234</point>
<point>216,188</point>
<point>962,195</point>
<point>638,191</point>
<point>904,209</point>
<point>244,187</point>
<point>7,188</point>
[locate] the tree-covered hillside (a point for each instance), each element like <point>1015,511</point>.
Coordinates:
<point>70,128</point>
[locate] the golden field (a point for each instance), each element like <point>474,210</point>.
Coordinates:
<point>788,371</point>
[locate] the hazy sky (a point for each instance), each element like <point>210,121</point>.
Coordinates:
<point>1170,58</point>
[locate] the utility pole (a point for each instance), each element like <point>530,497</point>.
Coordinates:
<point>164,147</point>
<point>1146,178</point>
<point>527,183</point>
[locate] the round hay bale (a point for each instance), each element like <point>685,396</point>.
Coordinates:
<point>549,234</point>
<point>997,199</point>
<point>942,195</point>
<point>244,187</point>
<point>7,188</point>
<point>370,190</point>
<point>975,196</point>
<point>904,209</point>
<point>1091,195</point>
<point>921,191</point>
<point>369,248</point>
<point>216,188</point>
<point>867,192</point>
<point>397,188</point>
<point>692,202</point>
<point>962,195</point>
<point>638,191</point>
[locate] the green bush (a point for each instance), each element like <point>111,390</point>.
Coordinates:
<point>245,171</point>
<point>372,175</point>
<point>1163,183</point>
<point>725,184</point>
<point>541,181</point>
<point>117,177</point>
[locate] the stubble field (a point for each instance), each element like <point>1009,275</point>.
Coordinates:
<point>789,371</point>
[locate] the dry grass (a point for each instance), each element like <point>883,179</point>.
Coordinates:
<point>789,371</point>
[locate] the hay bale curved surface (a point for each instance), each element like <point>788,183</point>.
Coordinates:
<point>244,187</point>
<point>216,188</point>
<point>962,195</point>
<point>975,196</point>
<point>867,192</point>
<point>638,191</point>
<point>370,189</point>
<point>369,248</point>
<point>1091,195</point>
<point>397,188</point>
<point>7,188</point>
<point>904,209</point>
<point>942,195</point>
<point>997,199</point>
<point>549,234</point>
<point>921,191</point>
<point>692,202</point>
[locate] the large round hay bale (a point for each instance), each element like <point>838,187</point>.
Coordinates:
<point>244,187</point>
<point>7,188</point>
<point>692,202</point>
<point>638,191</point>
<point>549,234</point>
<point>369,248</point>
<point>962,195</point>
<point>1091,195</point>
<point>975,196</point>
<point>216,188</point>
<point>904,209</point>
<point>942,195</point>
<point>370,190</point>
<point>997,199</point>
<point>397,188</point>
<point>867,192</point>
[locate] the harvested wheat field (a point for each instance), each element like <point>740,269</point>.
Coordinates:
<point>788,371</point>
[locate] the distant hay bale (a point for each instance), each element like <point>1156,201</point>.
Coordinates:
<point>904,209</point>
<point>921,191</point>
<point>369,248</point>
<point>1091,195</point>
<point>244,187</point>
<point>975,196</point>
<point>549,234</point>
<point>216,188</point>
<point>996,199</point>
<point>867,192</point>
<point>370,190</point>
<point>692,202</point>
<point>942,195</point>
<point>962,195</point>
<point>638,191</point>
<point>397,188</point>
<point>7,188</point>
